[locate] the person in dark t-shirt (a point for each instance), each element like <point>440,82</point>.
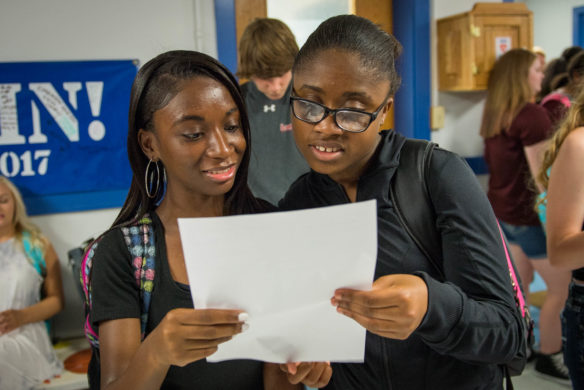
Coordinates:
<point>187,145</point>
<point>266,53</point>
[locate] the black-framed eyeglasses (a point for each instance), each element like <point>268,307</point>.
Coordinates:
<point>347,119</point>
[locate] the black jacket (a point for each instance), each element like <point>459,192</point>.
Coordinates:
<point>471,326</point>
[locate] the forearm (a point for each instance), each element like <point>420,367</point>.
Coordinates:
<point>41,311</point>
<point>144,371</point>
<point>567,254</point>
<point>456,321</point>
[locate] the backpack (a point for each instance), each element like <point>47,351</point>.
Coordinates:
<point>409,184</point>
<point>139,237</point>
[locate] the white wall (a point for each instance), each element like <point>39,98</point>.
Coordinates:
<point>552,24</point>
<point>86,30</point>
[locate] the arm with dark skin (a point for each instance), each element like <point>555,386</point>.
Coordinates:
<point>182,337</point>
<point>449,316</point>
<point>52,303</point>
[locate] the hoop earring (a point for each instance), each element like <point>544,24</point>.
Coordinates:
<point>150,186</point>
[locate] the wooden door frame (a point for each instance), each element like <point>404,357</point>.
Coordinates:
<point>411,26</point>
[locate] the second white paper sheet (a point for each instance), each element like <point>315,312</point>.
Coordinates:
<point>282,269</point>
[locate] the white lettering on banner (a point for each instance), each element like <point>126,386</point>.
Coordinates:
<point>10,165</point>
<point>37,136</point>
<point>72,88</point>
<point>36,162</point>
<point>94,93</point>
<point>9,116</point>
<point>57,108</point>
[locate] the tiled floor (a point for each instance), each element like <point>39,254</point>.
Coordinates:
<point>530,380</point>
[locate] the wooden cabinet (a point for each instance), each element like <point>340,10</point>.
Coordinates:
<point>469,43</point>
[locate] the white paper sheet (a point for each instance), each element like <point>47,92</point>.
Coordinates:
<point>282,269</point>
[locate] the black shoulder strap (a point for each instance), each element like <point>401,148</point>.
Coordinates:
<point>409,195</point>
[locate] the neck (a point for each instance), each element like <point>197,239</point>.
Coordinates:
<point>349,178</point>
<point>7,233</point>
<point>174,206</point>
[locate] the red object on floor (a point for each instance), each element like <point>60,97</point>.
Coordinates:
<point>78,362</point>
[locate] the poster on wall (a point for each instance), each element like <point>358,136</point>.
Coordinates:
<point>63,129</point>
<point>502,45</point>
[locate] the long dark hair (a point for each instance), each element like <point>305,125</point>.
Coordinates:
<point>156,83</point>
<point>377,49</point>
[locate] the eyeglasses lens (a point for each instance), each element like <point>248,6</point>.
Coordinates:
<point>346,120</point>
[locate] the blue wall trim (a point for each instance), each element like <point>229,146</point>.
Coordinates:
<point>75,202</point>
<point>411,26</point>
<point>577,34</point>
<point>478,165</point>
<point>226,34</point>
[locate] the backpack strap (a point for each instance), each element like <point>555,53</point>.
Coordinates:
<point>409,183</point>
<point>139,238</point>
<point>141,244</point>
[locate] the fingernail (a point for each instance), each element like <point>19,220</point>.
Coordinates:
<point>244,327</point>
<point>242,317</point>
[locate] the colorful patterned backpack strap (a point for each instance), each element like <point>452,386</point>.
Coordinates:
<point>139,238</point>
<point>141,244</point>
<point>90,333</point>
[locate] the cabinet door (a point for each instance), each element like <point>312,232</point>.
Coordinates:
<point>455,54</point>
<point>491,29</point>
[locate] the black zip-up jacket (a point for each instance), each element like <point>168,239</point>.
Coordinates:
<point>471,327</point>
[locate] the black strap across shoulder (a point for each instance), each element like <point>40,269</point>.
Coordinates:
<point>409,194</point>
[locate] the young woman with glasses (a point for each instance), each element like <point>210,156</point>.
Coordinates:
<point>425,330</point>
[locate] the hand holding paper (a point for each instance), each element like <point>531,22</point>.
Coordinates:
<point>282,269</point>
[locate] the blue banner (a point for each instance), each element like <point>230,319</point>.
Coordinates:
<point>63,130</point>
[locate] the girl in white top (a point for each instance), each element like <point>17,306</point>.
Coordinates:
<point>30,292</point>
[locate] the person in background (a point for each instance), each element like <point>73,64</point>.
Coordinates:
<point>558,101</point>
<point>540,53</point>
<point>30,293</point>
<point>426,327</point>
<point>266,53</point>
<point>564,221</point>
<point>552,70</point>
<point>570,52</point>
<point>515,131</point>
<point>188,136</point>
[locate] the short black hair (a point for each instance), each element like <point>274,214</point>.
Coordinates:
<point>377,49</point>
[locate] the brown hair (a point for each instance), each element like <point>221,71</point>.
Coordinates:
<point>573,120</point>
<point>508,91</point>
<point>267,49</point>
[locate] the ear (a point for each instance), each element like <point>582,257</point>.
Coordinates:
<point>385,110</point>
<point>148,144</point>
